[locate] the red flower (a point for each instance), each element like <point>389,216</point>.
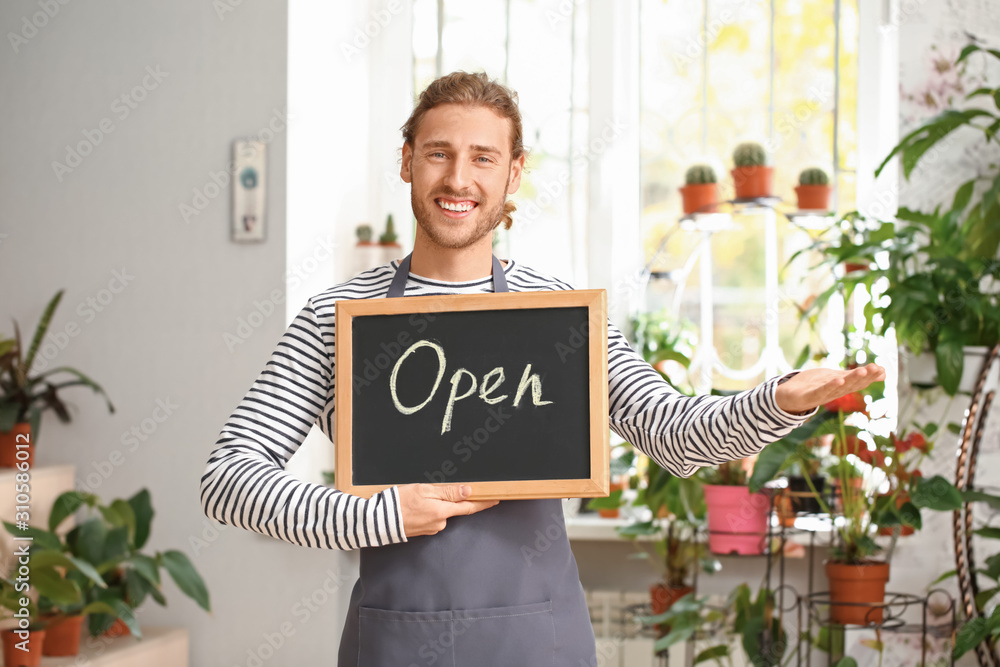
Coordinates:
<point>872,457</point>
<point>911,441</point>
<point>854,402</point>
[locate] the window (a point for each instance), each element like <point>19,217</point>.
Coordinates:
<point>712,74</point>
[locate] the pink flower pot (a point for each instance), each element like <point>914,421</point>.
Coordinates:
<point>737,520</point>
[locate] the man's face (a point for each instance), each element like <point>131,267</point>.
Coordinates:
<point>460,171</point>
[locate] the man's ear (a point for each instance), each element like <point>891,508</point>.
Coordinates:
<point>516,167</point>
<point>404,168</point>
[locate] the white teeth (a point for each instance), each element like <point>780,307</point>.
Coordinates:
<point>458,208</point>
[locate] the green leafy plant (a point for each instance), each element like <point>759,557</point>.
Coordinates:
<point>750,154</point>
<point>23,396</point>
<point>753,621</point>
<point>113,575</point>
<point>699,174</point>
<point>929,271</point>
<point>814,176</point>
<point>677,514</point>
<point>389,236</point>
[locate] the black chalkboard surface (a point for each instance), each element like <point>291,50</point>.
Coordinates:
<point>506,392</point>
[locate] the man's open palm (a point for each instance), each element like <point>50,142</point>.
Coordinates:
<point>818,386</point>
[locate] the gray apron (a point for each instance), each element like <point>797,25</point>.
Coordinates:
<point>499,587</point>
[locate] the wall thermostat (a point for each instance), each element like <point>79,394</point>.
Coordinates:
<point>249,184</point>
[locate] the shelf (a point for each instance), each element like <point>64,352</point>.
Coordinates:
<point>160,646</point>
<point>593,528</point>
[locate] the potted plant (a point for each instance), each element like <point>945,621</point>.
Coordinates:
<point>937,265</point>
<point>857,580</point>
<point>24,397</point>
<point>621,464</point>
<point>813,190</point>
<point>676,509</point>
<point>131,575</point>
<point>737,518</point>
<point>388,243</point>
<point>752,173</point>
<point>700,191</point>
<point>754,622</point>
<point>22,645</point>
<point>364,233</point>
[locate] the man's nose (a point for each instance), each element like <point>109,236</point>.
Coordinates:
<point>458,176</point>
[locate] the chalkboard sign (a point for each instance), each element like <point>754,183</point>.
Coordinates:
<point>506,392</point>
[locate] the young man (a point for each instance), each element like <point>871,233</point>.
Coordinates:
<point>444,582</point>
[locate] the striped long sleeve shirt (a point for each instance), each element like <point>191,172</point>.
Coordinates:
<point>245,483</point>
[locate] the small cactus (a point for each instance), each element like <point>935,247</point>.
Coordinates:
<point>749,154</point>
<point>364,233</point>
<point>389,237</point>
<point>699,174</point>
<point>813,176</point>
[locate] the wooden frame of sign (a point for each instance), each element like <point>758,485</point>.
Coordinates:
<point>580,348</point>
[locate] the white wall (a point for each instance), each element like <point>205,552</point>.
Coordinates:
<point>161,337</point>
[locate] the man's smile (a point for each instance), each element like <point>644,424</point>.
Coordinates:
<point>455,208</point>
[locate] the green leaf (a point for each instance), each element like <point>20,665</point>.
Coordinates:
<point>936,493</point>
<point>910,515</point>
<point>969,636</point>
<point>142,508</point>
<point>947,575</point>
<point>846,661</point>
<point>769,462</point>
<point>950,361</point>
<point>988,531</point>
<point>43,326</point>
<point>972,496</point>
<point>985,596</point>
<point>61,591</point>
<point>713,653</point>
<point>64,506</point>
<point>186,577</point>
<point>90,538</point>
<point>146,566</point>
<point>49,558</point>
<point>40,537</point>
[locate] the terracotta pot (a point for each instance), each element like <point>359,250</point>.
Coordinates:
<point>737,519</point>
<point>117,629</point>
<point>901,500</point>
<point>813,197</point>
<point>700,197</point>
<point>663,597</point>
<point>850,267</point>
<point>612,487</point>
<point>786,509</point>
<point>864,583</point>
<point>63,636</point>
<point>753,182</point>
<point>15,657</point>
<point>20,434</point>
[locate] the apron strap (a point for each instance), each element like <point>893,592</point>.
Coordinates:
<point>398,286</point>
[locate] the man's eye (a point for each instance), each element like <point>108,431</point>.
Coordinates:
<point>483,158</point>
<point>437,154</point>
